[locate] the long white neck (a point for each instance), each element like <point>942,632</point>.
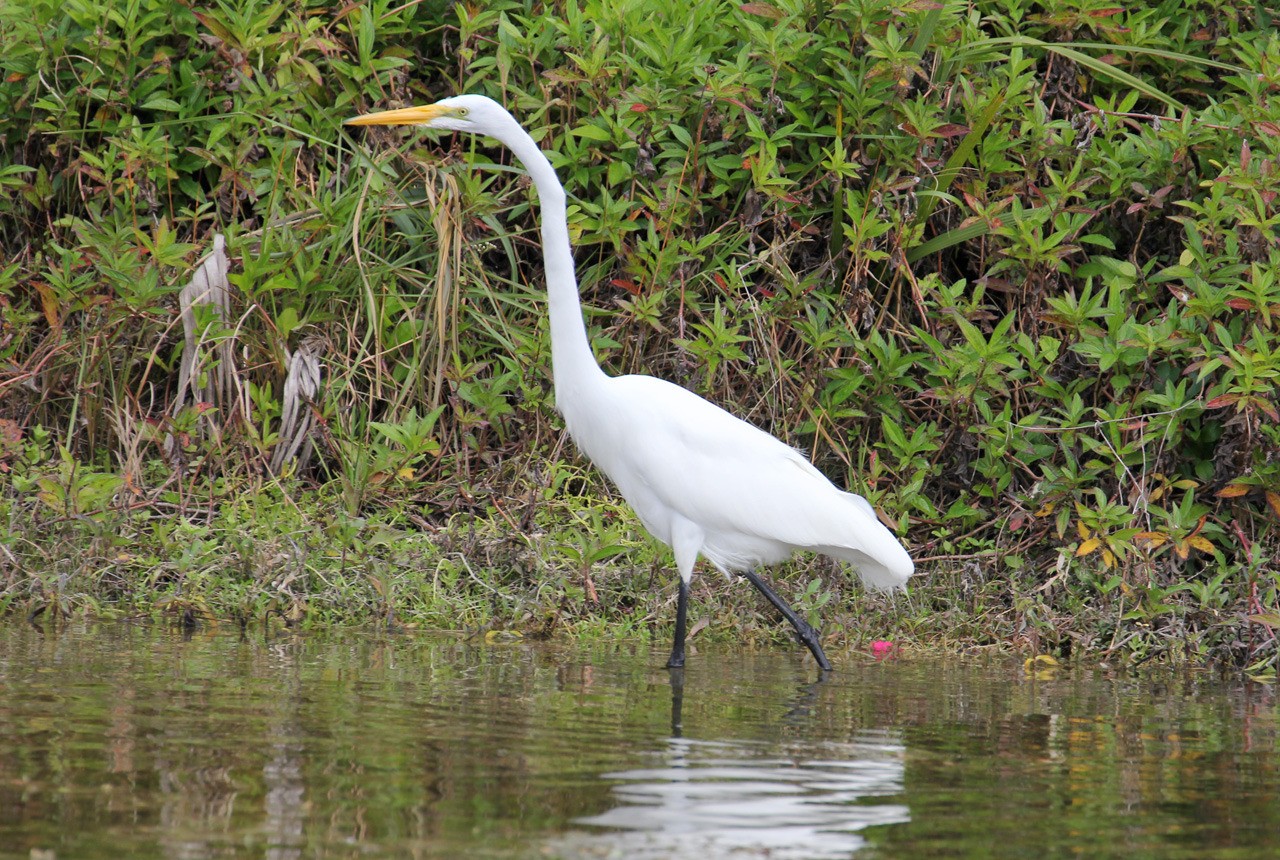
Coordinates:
<point>572,364</point>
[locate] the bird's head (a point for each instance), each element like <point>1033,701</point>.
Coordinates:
<point>470,113</point>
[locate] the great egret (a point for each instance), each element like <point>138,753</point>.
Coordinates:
<point>702,481</point>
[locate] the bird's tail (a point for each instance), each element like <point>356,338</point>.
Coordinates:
<point>885,571</point>
<point>879,558</point>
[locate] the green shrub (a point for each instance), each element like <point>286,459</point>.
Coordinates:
<point>1011,269</point>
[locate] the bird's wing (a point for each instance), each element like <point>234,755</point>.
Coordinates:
<point>727,475</point>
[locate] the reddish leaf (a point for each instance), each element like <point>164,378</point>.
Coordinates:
<point>639,108</point>
<point>764,10</point>
<point>1222,400</point>
<point>626,285</point>
<point>1273,499</point>
<point>951,129</point>
<point>1269,128</point>
<point>1240,304</point>
<point>10,432</point>
<point>1105,13</point>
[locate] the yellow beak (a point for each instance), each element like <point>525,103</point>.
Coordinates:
<point>403,116</point>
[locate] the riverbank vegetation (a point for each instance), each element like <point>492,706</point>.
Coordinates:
<point>1008,269</point>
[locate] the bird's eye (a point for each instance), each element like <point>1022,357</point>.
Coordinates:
<point>462,112</point>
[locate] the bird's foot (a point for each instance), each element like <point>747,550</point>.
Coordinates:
<point>811,639</point>
<point>676,661</point>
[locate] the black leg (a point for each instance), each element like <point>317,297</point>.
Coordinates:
<point>682,614</point>
<point>804,631</point>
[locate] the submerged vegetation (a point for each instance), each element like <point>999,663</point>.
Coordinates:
<point>1010,270</point>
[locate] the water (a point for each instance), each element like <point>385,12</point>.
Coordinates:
<point>122,741</point>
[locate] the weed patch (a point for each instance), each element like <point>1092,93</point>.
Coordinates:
<point>1009,270</point>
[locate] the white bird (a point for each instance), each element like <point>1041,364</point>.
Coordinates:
<point>701,480</point>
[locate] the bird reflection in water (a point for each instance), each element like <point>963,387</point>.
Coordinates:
<point>738,798</point>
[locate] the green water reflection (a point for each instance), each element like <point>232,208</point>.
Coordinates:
<point>136,742</point>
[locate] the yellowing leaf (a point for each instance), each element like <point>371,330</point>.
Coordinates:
<point>1232,491</point>
<point>1042,667</point>
<point>405,473</point>
<point>1080,527</point>
<point>1201,543</point>
<point>492,636</point>
<point>49,304</point>
<point>1045,510</point>
<point>1151,538</point>
<point>1270,619</point>
<point>1088,546</point>
<point>1273,499</point>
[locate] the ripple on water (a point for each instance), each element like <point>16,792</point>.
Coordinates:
<point>716,799</point>
<point>126,741</point>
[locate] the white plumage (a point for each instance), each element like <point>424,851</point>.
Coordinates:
<point>687,466</point>
<point>701,480</point>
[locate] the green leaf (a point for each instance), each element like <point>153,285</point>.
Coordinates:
<point>591,132</point>
<point>163,104</point>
